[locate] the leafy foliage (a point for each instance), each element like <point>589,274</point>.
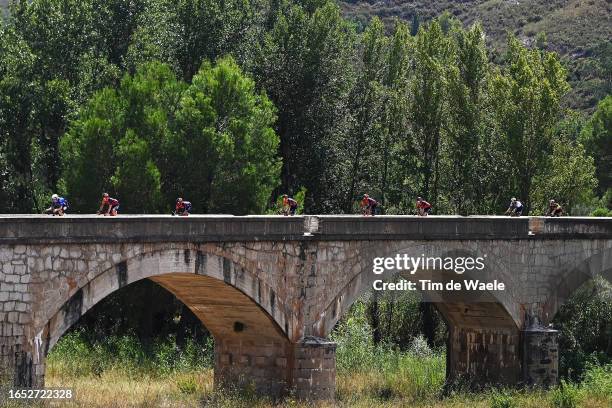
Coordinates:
<point>597,138</point>
<point>567,177</point>
<point>586,328</point>
<point>156,138</point>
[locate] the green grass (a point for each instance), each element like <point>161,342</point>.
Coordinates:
<point>74,356</point>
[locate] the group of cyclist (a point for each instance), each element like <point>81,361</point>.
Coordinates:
<point>369,206</point>
<point>515,209</point>
<point>110,206</point>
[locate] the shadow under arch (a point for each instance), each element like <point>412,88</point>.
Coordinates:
<point>247,320</point>
<point>484,326</point>
<point>599,264</point>
<point>504,313</point>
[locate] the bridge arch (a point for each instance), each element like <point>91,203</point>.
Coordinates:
<point>597,264</point>
<point>361,279</point>
<point>484,327</point>
<point>248,321</point>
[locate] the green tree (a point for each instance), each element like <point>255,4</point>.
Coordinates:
<point>428,92</point>
<point>307,67</point>
<point>394,157</point>
<point>87,150</point>
<point>136,177</point>
<point>71,48</point>
<point>568,177</point>
<point>365,138</point>
<point>210,142</point>
<point>527,104</point>
<point>222,116</point>
<point>183,33</point>
<point>465,125</point>
<point>17,101</point>
<point>597,138</point>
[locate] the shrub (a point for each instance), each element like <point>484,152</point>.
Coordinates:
<point>186,385</point>
<point>597,381</point>
<point>419,347</point>
<point>601,212</point>
<point>502,399</point>
<point>566,395</point>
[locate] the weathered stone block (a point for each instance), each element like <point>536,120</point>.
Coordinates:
<point>11,278</point>
<point>281,362</point>
<point>14,296</point>
<point>225,359</point>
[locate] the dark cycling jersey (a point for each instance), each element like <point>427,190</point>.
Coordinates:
<point>112,202</point>
<point>61,202</point>
<point>183,206</point>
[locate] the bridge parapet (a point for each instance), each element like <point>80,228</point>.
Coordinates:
<point>211,228</point>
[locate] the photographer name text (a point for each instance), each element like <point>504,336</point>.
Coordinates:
<point>403,263</point>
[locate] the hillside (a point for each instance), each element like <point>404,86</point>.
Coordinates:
<point>580,30</point>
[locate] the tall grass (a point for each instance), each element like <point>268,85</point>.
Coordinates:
<point>75,356</point>
<point>122,372</point>
<point>382,371</point>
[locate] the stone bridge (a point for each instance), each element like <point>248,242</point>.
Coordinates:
<point>270,289</point>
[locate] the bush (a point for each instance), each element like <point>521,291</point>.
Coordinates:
<point>566,395</point>
<point>597,381</point>
<point>419,347</point>
<point>585,329</point>
<point>502,399</point>
<point>601,212</point>
<point>186,385</point>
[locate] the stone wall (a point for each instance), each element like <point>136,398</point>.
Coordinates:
<point>263,368</point>
<point>484,356</point>
<point>15,312</point>
<point>540,356</point>
<point>314,369</point>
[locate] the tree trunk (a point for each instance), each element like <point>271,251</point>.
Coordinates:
<point>428,326</point>
<point>374,314</point>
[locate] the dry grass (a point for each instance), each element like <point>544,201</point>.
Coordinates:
<point>113,389</point>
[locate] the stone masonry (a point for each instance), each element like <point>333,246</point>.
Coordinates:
<point>270,289</point>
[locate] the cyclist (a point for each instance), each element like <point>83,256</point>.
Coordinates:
<point>554,209</point>
<point>423,207</point>
<point>368,205</point>
<point>182,208</point>
<point>289,205</point>
<point>515,209</point>
<point>111,203</point>
<point>59,205</point>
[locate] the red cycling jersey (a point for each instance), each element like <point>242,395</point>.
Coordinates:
<point>423,204</point>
